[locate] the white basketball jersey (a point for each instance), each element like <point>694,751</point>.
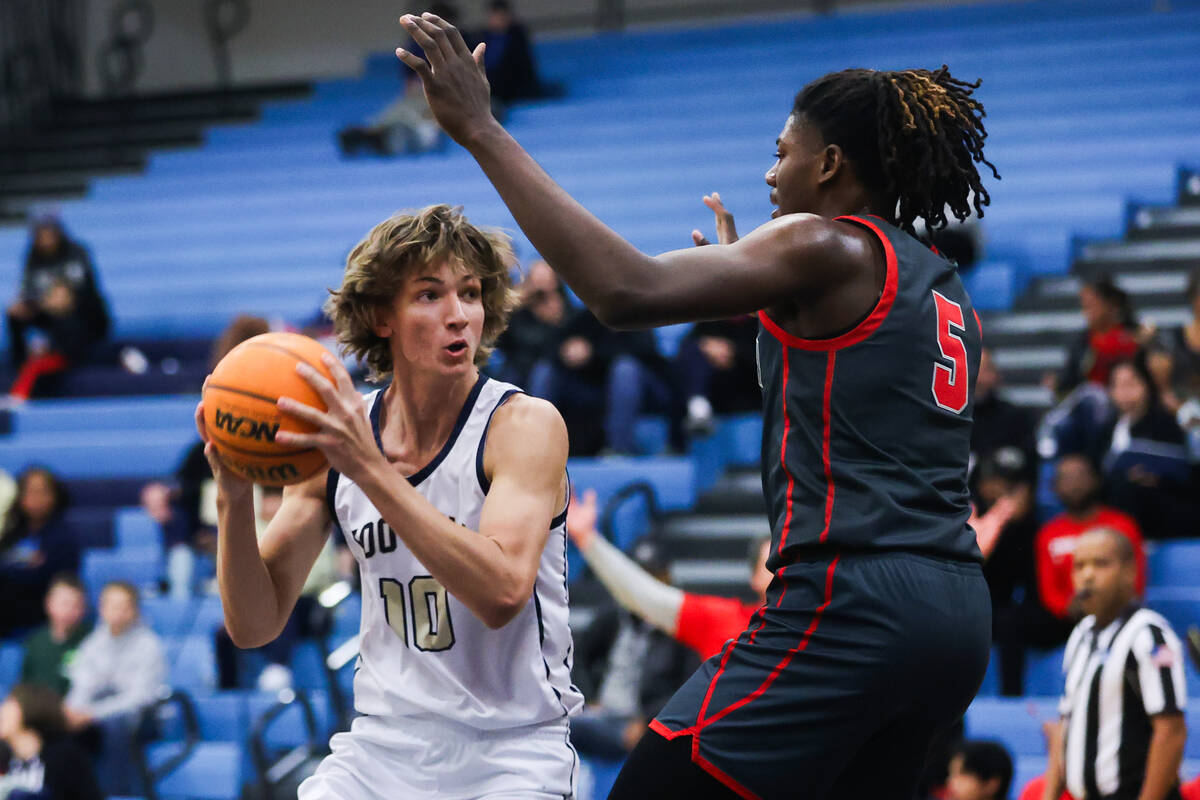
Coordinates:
<point>422,652</point>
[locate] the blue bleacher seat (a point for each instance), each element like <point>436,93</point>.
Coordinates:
<point>288,730</point>
<point>1175,563</point>
<point>1015,721</point>
<point>140,566</point>
<point>11,655</point>
<point>992,286</point>
<point>134,528</point>
<point>1043,672</point>
<point>191,662</point>
<point>1179,605</point>
<point>92,526</point>
<point>213,772</point>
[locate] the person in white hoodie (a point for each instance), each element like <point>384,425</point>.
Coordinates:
<point>120,669</point>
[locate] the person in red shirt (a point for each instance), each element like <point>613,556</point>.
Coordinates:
<point>1112,334</point>
<point>703,623</point>
<point>1046,620</point>
<point>1191,790</point>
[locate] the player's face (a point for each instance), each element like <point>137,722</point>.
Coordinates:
<point>1103,582</point>
<point>436,322</point>
<point>793,177</point>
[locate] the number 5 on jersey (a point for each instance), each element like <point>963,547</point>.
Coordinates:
<point>432,629</point>
<point>950,382</point>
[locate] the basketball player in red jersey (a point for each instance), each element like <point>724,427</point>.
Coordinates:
<point>876,627</point>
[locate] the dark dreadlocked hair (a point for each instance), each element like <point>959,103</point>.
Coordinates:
<point>914,138</point>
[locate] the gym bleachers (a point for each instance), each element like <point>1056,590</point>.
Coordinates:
<point>1092,106</point>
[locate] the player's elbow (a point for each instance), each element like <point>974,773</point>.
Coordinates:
<point>624,308</point>
<point>248,637</point>
<point>506,603</point>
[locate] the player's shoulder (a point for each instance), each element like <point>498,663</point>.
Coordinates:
<point>524,415</point>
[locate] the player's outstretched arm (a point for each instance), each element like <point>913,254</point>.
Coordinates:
<point>636,590</point>
<point>623,286</point>
<point>260,581</point>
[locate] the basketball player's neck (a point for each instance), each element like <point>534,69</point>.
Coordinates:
<point>420,410</point>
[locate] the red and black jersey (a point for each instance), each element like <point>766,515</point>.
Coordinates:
<point>867,435</point>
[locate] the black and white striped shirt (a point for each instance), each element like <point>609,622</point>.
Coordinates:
<point>1117,678</point>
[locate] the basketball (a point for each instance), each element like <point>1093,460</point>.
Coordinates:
<point>240,412</point>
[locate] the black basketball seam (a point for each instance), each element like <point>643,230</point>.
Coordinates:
<point>255,395</point>
<point>281,349</point>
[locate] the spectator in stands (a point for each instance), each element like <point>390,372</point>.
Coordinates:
<point>1111,335</point>
<point>979,770</point>
<point>509,59</point>
<point>1190,790</point>
<point>533,330</point>
<point>35,545</point>
<point>119,671</point>
<point>1044,618</point>
<point>1143,456</point>
<point>702,622</point>
<point>718,371</point>
<point>51,649</point>
<point>1002,471</point>
<point>627,668</point>
<point>38,761</point>
<point>59,296</point>
<point>586,370</point>
<point>1122,724</point>
<point>1175,357</point>
<point>186,510</point>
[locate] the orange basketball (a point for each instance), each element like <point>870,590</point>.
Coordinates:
<point>240,412</point>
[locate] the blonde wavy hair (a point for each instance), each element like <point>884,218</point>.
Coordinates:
<point>378,266</point>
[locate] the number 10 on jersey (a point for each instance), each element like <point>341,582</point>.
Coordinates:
<point>430,612</point>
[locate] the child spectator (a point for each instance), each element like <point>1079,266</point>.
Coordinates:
<point>59,297</point>
<point>119,671</point>
<point>35,545</point>
<point>51,649</point>
<point>38,761</point>
<point>979,770</point>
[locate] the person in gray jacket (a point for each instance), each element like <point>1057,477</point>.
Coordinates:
<point>119,670</point>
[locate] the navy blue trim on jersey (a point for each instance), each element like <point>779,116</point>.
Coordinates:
<point>460,423</point>
<point>331,482</point>
<point>484,483</point>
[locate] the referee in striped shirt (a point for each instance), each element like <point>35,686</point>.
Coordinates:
<point>1122,732</point>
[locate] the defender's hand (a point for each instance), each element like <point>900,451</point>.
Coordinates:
<point>726,230</point>
<point>455,82</point>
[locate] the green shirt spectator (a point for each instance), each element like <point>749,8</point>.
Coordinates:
<point>50,649</point>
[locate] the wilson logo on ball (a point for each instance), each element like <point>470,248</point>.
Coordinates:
<point>278,474</point>
<point>245,427</point>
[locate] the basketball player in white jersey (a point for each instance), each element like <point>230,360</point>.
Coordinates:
<point>450,489</point>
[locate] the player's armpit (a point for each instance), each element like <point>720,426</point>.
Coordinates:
<point>259,594</point>
<point>789,257</point>
<point>525,460</point>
